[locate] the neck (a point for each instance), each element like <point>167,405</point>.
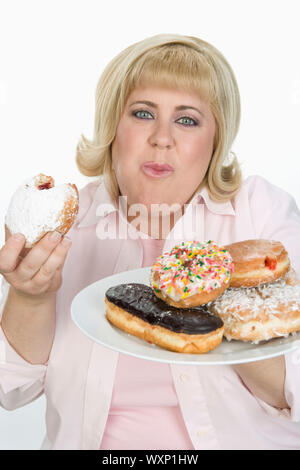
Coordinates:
<point>156,224</point>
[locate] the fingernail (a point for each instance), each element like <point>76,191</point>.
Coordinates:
<point>55,236</point>
<point>66,241</point>
<point>18,237</point>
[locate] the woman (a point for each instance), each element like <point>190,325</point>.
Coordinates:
<point>167,113</point>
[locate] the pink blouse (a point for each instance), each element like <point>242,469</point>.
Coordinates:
<point>80,380</point>
<point>137,406</point>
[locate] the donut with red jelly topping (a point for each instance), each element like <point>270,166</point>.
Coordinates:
<point>257,262</point>
<point>191,274</point>
<point>38,207</point>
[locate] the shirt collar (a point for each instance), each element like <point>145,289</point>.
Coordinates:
<point>103,205</point>
<point>219,208</point>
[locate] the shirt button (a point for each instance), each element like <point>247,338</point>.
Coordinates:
<point>201,433</point>
<point>184,378</point>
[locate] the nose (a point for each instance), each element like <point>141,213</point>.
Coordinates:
<point>161,136</point>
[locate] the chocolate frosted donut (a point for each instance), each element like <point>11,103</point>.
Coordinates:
<point>135,309</point>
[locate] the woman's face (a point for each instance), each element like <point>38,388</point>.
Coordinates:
<point>162,148</point>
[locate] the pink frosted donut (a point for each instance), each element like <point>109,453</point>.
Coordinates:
<point>38,207</point>
<point>191,274</point>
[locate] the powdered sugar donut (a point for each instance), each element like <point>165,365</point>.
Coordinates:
<point>260,313</point>
<point>191,274</point>
<point>38,207</point>
<point>257,262</point>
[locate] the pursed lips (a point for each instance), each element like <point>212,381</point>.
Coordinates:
<point>156,170</point>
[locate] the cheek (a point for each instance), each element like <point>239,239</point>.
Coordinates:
<point>198,153</point>
<point>126,145</point>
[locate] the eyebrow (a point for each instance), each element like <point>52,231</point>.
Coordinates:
<point>178,108</point>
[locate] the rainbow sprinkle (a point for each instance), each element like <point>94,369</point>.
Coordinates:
<point>190,268</point>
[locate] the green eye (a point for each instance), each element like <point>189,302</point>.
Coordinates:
<point>137,112</point>
<point>189,119</point>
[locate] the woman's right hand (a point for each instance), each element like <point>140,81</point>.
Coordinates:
<point>39,272</point>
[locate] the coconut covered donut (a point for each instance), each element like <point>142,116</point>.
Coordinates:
<point>135,309</point>
<point>260,313</point>
<point>38,207</point>
<point>191,274</point>
<point>257,262</point>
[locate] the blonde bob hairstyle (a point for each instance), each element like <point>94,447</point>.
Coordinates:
<point>174,61</point>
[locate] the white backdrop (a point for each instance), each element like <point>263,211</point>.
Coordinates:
<point>52,54</point>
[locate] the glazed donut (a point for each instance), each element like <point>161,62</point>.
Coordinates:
<point>38,207</point>
<point>135,309</point>
<point>191,274</point>
<point>260,313</point>
<point>257,262</point>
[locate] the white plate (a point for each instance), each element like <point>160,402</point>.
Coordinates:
<point>88,313</point>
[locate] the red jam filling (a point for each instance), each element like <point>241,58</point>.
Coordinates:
<point>44,186</point>
<point>271,263</point>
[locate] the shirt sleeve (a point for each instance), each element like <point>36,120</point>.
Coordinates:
<point>20,381</point>
<point>277,217</point>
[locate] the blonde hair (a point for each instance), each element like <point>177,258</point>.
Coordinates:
<point>175,61</point>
